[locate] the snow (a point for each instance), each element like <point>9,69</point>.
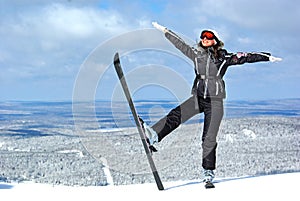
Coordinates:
<point>249,133</point>
<point>109,178</point>
<point>270,187</point>
<point>78,152</point>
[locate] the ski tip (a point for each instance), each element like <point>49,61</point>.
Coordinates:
<point>116,58</point>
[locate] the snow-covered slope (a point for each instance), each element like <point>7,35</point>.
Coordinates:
<point>271,187</point>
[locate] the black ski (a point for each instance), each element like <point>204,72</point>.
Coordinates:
<point>209,185</point>
<point>119,71</point>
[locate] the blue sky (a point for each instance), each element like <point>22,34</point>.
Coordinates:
<point>45,46</point>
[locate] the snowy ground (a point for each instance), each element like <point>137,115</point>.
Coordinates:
<point>271,187</point>
<point>42,157</point>
<point>54,155</point>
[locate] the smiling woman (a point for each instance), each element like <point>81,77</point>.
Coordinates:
<point>211,62</point>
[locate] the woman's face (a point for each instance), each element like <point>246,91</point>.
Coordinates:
<point>207,43</point>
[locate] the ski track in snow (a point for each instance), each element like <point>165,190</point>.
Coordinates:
<point>270,187</point>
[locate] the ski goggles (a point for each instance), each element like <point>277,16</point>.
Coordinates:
<point>207,34</point>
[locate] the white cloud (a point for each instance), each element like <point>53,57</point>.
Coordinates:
<point>52,38</point>
<point>57,22</point>
<point>54,35</point>
<point>262,14</point>
<point>83,22</point>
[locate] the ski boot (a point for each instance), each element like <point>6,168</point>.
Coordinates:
<point>151,135</point>
<point>209,175</point>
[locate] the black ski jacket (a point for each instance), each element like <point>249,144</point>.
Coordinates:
<point>210,67</point>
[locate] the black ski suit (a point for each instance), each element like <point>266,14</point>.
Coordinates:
<point>208,93</point>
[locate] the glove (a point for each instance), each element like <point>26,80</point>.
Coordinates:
<point>274,59</point>
<point>159,27</point>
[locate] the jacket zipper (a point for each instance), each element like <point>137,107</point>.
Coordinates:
<point>207,75</point>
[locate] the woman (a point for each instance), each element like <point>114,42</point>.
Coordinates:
<point>208,92</point>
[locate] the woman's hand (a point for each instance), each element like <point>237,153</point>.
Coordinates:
<point>160,27</point>
<point>274,59</point>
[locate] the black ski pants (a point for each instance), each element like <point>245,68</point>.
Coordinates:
<point>213,114</point>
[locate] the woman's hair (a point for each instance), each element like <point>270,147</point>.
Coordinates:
<point>216,47</point>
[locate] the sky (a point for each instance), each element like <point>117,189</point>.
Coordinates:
<point>60,49</point>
